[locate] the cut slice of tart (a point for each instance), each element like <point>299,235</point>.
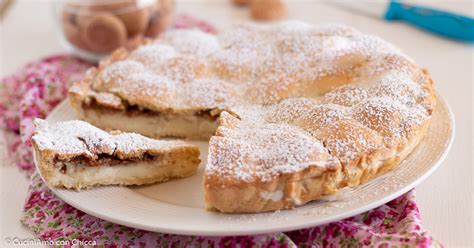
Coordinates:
<point>75,154</point>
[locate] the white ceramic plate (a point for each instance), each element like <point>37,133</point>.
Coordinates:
<point>178,207</point>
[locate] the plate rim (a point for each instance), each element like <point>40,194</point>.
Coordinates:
<point>271,229</point>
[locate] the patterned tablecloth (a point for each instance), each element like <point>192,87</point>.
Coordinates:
<point>38,87</point>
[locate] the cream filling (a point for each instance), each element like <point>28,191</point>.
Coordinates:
<point>189,126</point>
<point>274,196</point>
<point>131,173</point>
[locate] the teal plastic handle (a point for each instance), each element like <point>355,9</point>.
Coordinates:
<point>444,23</point>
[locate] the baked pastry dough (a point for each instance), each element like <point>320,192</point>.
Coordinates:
<point>303,110</point>
<point>75,154</point>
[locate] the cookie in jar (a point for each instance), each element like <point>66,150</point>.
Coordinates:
<point>92,29</point>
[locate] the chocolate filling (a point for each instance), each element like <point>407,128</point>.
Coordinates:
<point>134,110</point>
<point>102,160</point>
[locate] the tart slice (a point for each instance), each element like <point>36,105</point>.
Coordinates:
<point>75,154</point>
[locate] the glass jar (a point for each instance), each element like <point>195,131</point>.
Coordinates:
<point>93,28</point>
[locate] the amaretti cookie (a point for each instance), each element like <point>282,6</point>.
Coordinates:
<point>100,26</point>
<point>267,10</point>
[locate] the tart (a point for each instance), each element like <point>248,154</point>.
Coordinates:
<point>75,154</point>
<point>294,112</point>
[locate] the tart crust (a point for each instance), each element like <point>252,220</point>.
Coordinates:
<point>303,111</point>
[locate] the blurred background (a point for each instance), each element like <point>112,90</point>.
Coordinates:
<point>44,27</point>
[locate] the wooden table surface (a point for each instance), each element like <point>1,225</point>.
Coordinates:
<point>446,198</point>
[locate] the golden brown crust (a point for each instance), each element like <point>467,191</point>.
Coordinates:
<point>258,198</point>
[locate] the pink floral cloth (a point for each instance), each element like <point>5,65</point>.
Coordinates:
<point>36,89</point>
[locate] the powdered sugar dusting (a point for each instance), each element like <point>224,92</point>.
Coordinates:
<point>301,95</point>
<point>190,41</point>
<point>75,138</point>
<point>266,63</point>
<point>155,54</point>
<point>265,151</point>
